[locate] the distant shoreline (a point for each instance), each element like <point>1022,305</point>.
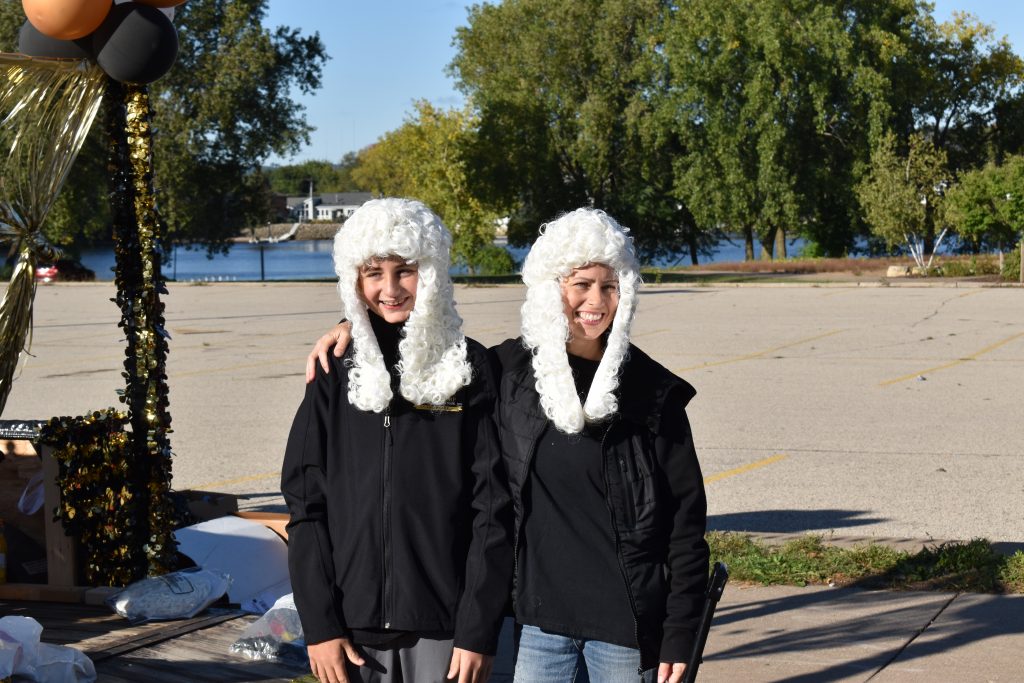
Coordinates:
<point>306,231</point>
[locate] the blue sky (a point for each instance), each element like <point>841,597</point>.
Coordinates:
<point>388,53</point>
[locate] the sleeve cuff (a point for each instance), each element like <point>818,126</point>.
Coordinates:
<point>676,645</point>
<point>480,641</point>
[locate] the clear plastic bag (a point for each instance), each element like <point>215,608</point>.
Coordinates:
<point>23,657</point>
<point>274,637</point>
<point>178,595</point>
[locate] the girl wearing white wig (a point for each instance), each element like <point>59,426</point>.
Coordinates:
<point>399,549</point>
<point>611,562</point>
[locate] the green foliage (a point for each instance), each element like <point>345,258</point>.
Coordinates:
<point>961,73</point>
<point>426,159</point>
<point>971,267</point>
<point>776,102</point>
<point>1012,573</point>
<point>568,122</point>
<point>293,180</point>
<point>972,566</point>
<point>1011,265</point>
<point>902,195</point>
<point>223,108</point>
<point>807,560</point>
<point>987,206</point>
<point>493,260</point>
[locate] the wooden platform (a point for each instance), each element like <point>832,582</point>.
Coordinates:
<point>185,651</point>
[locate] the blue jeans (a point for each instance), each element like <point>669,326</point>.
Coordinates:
<point>544,657</point>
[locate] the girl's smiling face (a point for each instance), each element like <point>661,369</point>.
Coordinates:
<point>590,296</point>
<point>388,286</point>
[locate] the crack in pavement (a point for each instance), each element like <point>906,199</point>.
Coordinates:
<point>940,306</point>
<point>914,637</point>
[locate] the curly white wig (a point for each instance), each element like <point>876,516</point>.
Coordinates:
<point>580,238</point>
<point>432,352</point>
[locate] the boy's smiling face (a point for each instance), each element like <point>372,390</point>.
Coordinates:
<point>388,287</point>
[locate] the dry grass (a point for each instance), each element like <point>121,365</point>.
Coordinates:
<point>960,265</point>
<point>800,266</point>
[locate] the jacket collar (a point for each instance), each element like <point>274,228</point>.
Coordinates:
<point>644,388</point>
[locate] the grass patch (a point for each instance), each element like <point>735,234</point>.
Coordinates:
<point>973,566</point>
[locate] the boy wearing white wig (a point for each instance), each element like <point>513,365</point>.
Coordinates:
<point>398,539</point>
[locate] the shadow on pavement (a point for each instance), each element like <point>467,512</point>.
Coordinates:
<point>790,521</point>
<point>804,635</point>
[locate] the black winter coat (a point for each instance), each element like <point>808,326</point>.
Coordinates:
<point>655,492</point>
<point>400,520</point>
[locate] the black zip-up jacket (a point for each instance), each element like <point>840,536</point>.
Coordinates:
<point>654,486</point>
<point>399,521</point>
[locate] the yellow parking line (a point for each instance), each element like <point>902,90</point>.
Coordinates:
<point>647,334</point>
<point>238,480</point>
<point>759,354</point>
<point>745,468</point>
<point>973,356</point>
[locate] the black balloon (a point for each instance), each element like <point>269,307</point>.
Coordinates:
<point>135,44</point>
<point>34,44</point>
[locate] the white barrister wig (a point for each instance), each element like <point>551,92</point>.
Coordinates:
<point>432,352</point>
<point>580,238</point>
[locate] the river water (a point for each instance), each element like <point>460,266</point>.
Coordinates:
<point>310,260</point>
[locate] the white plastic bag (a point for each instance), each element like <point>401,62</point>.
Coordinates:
<point>178,595</point>
<point>22,655</point>
<point>274,637</point>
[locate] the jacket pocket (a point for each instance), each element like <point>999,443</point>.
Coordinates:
<point>638,483</point>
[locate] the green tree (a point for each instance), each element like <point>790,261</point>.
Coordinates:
<point>346,183</point>
<point>564,92</point>
<point>223,108</point>
<point>777,102</point>
<point>986,208</point>
<point>963,75</point>
<point>903,195</point>
<point>294,179</point>
<point>425,159</point>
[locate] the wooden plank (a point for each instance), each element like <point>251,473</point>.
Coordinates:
<point>275,521</point>
<point>61,550</point>
<point>177,662</point>
<point>180,628</point>
<point>42,592</point>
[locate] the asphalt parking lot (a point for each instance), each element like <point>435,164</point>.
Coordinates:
<point>868,411</point>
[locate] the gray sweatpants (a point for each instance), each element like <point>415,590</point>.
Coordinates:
<point>409,659</point>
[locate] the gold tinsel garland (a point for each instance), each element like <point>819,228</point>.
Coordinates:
<point>97,503</point>
<point>138,233</point>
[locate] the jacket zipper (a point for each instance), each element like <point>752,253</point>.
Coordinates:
<point>385,494</point>
<point>618,544</point>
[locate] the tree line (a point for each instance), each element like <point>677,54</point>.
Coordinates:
<point>222,109</point>
<point>687,120</point>
<point>693,119</point>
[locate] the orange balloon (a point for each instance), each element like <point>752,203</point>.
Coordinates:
<point>66,19</point>
<point>161,3</point>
